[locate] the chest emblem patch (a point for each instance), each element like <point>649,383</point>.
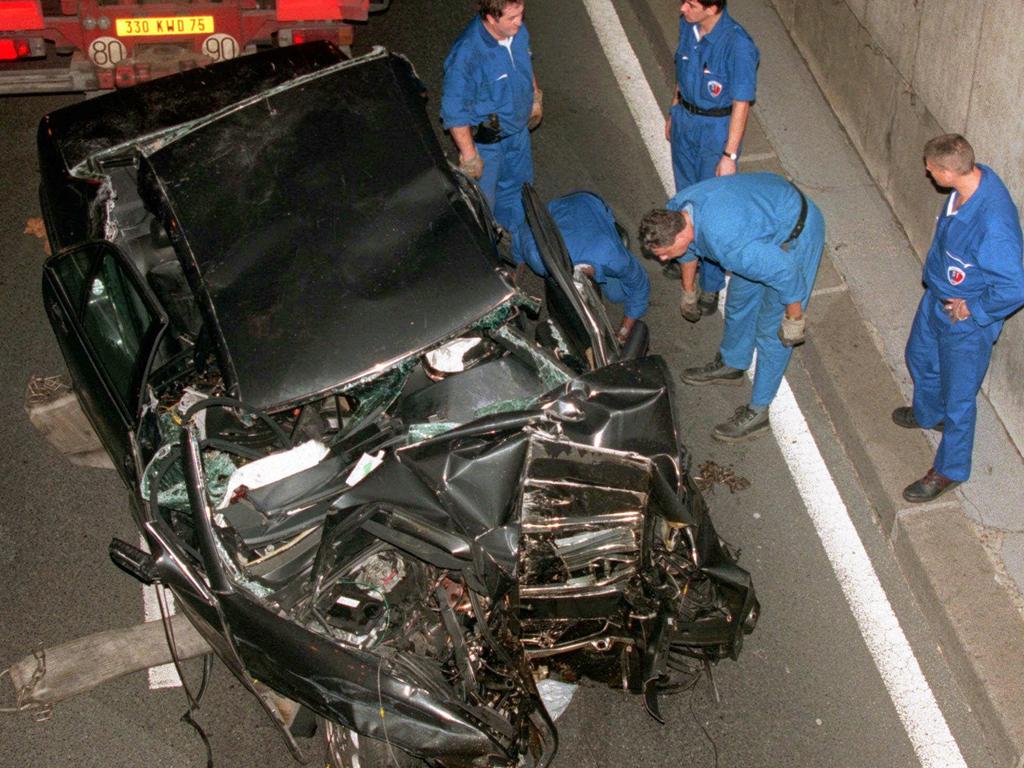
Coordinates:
<point>955,275</point>
<point>714,88</point>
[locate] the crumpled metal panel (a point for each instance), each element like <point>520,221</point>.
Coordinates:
<point>422,712</point>
<point>317,227</point>
<point>79,131</point>
<point>492,503</point>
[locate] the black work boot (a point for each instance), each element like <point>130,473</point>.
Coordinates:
<point>715,372</point>
<point>929,487</point>
<point>904,417</point>
<point>744,424</point>
<point>708,302</point>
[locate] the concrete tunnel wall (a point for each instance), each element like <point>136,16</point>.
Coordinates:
<point>898,72</point>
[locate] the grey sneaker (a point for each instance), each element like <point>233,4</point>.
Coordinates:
<point>904,417</point>
<point>744,424</point>
<point>708,303</point>
<point>715,372</point>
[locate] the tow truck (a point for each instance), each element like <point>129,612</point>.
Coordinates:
<point>52,46</point>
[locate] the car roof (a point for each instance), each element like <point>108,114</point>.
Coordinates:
<point>322,231</point>
<point>80,131</point>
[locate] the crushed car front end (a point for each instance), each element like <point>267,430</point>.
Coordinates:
<point>380,479</point>
<point>562,540</point>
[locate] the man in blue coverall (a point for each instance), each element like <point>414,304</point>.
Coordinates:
<point>770,236</point>
<point>973,279</point>
<point>716,81</point>
<point>489,103</point>
<point>588,230</point>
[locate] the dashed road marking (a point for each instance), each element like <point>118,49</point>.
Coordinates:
<point>164,676</point>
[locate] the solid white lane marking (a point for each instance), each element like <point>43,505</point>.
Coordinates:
<point>630,75</point>
<point>915,703</point>
<point>913,698</point>
<point>164,676</point>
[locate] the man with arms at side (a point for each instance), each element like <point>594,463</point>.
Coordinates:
<point>770,236</point>
<point>489,103</point>
<point>716,82</point>
<point>973,279</point>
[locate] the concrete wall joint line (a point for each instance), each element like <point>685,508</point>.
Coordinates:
<point>986,17</point>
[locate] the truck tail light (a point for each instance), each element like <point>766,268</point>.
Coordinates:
<point>19,48</point>
<point>18,15</point>
<point>308,10</point>
<point>337,34</point>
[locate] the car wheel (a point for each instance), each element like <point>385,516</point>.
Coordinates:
<point>347,749</point>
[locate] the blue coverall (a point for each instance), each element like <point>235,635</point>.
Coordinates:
<point>484,78</point>
<point>742,223</point>
<point>711,73</point>
<point>588,229</point>
<point>975,255</point>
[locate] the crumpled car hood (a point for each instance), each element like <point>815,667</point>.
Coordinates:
<point>320,234</point>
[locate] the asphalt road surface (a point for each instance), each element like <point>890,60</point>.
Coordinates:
<point>806,690</point>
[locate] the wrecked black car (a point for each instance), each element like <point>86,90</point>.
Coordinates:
<point>377,476</point>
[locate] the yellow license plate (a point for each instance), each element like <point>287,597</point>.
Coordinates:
<point>153,26</point>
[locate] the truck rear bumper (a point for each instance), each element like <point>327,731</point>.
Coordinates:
<point>47,80</point>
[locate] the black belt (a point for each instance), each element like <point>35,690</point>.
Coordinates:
<point>693,109</point>
<point>801,219</point>
<point>489,132</point>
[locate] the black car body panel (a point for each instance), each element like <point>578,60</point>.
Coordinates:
<point>73,137</point>
<point>298,231</point>
<point>377,477</point>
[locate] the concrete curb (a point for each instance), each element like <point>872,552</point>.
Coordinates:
<point>975,620</point>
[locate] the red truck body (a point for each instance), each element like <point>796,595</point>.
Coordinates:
<point>117,44</point>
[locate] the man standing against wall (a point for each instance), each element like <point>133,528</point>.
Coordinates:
<point>489,103</point>
<point>716,81</point>
<point>770,236</point>
<point>973,279</point>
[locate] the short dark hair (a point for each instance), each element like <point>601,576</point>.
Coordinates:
<point>950,151</point>
<point>495,8</point>
<point>709,3</point>
<point>659,228</point>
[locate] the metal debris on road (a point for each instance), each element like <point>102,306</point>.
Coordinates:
<point>711,473</point>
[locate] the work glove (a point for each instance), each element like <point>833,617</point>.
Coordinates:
<point>688,307</point>
<point>791,332</point>
<point>537,112</point>
<point>473,167</point>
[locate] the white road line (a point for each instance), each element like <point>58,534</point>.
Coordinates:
<point>642,105</point>
<point>915,703</point>
<point>164,676</point>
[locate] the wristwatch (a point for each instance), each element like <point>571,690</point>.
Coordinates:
<point>732,156</point>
